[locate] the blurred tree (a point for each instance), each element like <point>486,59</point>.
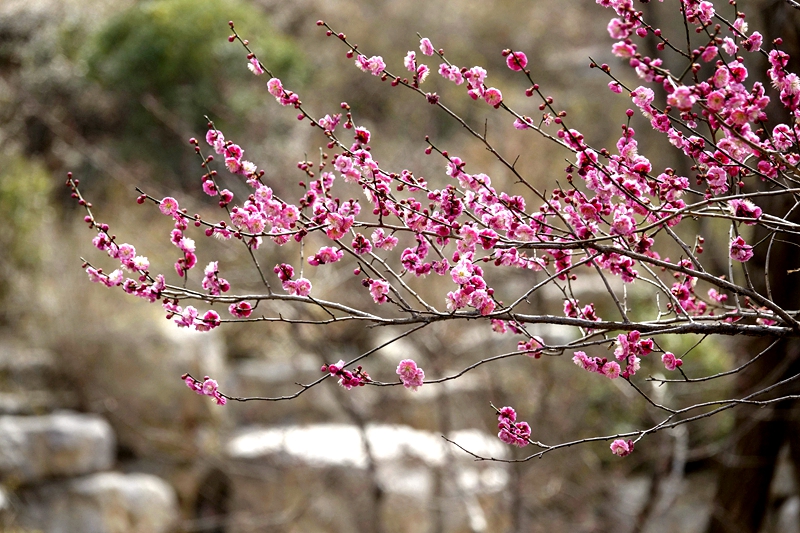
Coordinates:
<point>751,456</point>
<point>24,187</point>
<point>168,64</point>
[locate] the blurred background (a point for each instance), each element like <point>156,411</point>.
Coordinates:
<point>98,432</point>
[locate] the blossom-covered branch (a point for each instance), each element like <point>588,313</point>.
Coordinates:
<point>611,225</point>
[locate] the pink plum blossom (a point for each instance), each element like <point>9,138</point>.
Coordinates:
<point>214,284</point>
<point>381,240</point>
<point>275,87</point>
<point>744,208</point>
<point>347,379</point>
<point>522,124</point>
<point>682,98</point>
<point>410,61</point>
<point>426,47</point>
<point>516,61</point>
<point>326,254</point>
<point>532,347</point>
<point>622,447</point>
<point>169,206</point>
<point>452,73</point>
<point>410,374</point>
<point>511,431</point>
<point>493,97</point>
<point>709,53</point>
<point>207,387</point>
<point>729,45</point>
<point>670,361</point>
<point>329,122</point>
<point>241,309</point>
<point>255,66</point>
<point>298,287</point>
<point>374,65</point>
<point>379,289</point>
<point>740,250</point>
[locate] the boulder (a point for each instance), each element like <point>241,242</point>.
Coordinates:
<point>107,502</point>
<point>339,477</point>
<point>6,510</point>
<point>35,448</point>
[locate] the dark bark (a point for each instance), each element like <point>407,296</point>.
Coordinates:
<point>748,464</point>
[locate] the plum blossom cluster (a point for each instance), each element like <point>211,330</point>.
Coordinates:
<point>187,246</point>
<point>347,379</point>
<point>410,374</point>
<point>670,361</point>
<point>573,309</point>
<point>189,316</point>
<point>378,289</point>
<point>725,102</point>
<point>511,431</point>
<point>475,77</point>
<point>325,255</point>
<point>629,350</point>
<point>207,387</point>
<point>109,280</point>
<point>214,284</point>
<point>531,347</point>
<point>141,288</point>
<point>744,208</point>
<point>145,286</point>
<point>420,71</point>
<point>622,447</point>
<point>125,253</point>
<point>284,97</point>
<point>148,291</point>
<point>169,206</point>
<point>234,162</point>
<point>472,289</point>
<point>740,250</point>
<point>600,365</point>
<point>374,65</point>
<point>262,214</point>
<point>606,224</point>
<point>240,309</point>
<point>300,286</point>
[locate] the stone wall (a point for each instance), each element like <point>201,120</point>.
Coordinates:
<point>57,477</point>
<point>57,466</point>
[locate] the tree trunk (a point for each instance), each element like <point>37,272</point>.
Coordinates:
<point>748,464</point>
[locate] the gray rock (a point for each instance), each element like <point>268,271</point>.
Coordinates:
<point>34,448</point>
<point>788,519</point>
<point>108,502</point>
<point>271,473</point>
<point>6,510</point>
<point>35,402</point>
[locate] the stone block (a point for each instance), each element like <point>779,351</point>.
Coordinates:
<point>107,502</point>
<point>321,478</point>
<point>35,448</point>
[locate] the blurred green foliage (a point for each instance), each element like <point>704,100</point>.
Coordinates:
<point>169,63</point>
<point>24,192</point>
